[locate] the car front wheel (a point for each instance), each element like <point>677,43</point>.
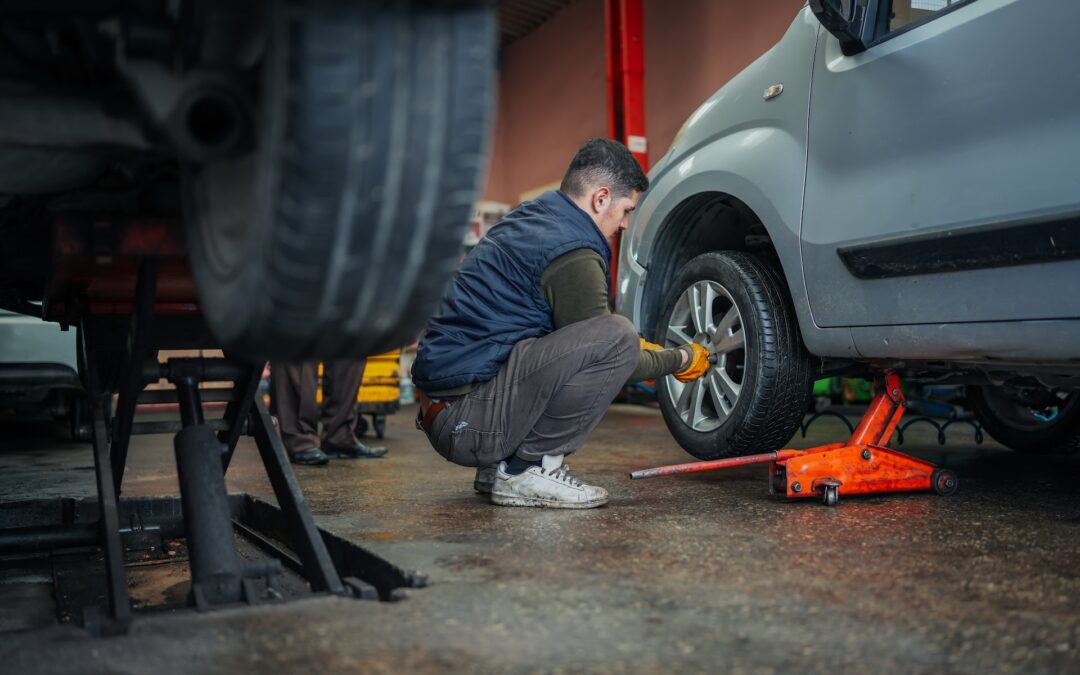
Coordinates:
<point>753,398</point>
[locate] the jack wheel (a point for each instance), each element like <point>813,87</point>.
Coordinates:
<point>378,422</point>
<point>943,482</point>
<point>361,426</point>
<point>831,495</point>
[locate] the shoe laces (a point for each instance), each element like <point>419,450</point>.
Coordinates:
<point>563,473</point>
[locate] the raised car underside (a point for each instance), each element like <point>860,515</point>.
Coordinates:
<point>216,139</point>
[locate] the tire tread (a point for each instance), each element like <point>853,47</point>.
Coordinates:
<point>383,117</point>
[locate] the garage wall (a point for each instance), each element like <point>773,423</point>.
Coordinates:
<point>553,94</point>
<point>552,97</point>
<point>692,47</point>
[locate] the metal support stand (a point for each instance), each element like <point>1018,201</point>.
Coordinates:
<point>804,426</point>
<point>203,452</point>
<point>139,350</point>
<point>119,606</point>
<point>245,389</point>
<point>215,567</point>
<point>217,576</point>
<point>318,568</point>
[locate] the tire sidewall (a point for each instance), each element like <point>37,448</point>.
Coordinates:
<point>236,290</point>
<point>311,275</point>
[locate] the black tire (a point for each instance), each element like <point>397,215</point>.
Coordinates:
<point>335,236</point>
<point>777,376</point>
<point>944,482</point>
<point>1014,425</point>
<point>830,496</point>
<point>361,428</point>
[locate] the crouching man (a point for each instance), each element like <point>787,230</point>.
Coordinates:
<point>524,355</point>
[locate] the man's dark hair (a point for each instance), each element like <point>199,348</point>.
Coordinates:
<point>604,162</point>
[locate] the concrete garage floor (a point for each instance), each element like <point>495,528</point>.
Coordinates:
<point>701,573</point>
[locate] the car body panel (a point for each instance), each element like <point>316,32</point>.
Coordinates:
<point>961,178</point>
<point>26,339</point>
<point>758,157</point>
<point>946,128</point>
<point>37,360</point>
<point>1033,342</point>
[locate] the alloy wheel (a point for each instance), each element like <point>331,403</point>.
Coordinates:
<point>706,314</point>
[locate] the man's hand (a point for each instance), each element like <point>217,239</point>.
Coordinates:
<point>699,365</point>
<point>684,358</point>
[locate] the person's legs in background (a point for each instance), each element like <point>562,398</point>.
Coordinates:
<point>341,382</point>
<point>295,385</point>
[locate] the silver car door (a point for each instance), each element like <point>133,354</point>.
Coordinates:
<point>943,173</point>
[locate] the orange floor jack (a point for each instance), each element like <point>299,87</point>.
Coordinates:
<point>863,465</point>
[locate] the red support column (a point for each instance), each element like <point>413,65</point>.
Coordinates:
<point>625,42</point>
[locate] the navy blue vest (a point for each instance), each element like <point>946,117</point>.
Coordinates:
<point>495,301</point>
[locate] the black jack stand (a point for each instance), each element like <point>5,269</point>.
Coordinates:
<point>203,451</point>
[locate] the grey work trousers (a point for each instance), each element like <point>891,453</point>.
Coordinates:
<point>298,411</point>
<point>545,400</point>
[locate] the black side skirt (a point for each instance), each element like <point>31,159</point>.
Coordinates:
<point>967,249</point>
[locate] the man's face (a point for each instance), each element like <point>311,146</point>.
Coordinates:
<point>612,213</point>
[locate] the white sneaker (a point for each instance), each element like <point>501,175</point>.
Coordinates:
<point>549,485</point>
<point>485,478</point>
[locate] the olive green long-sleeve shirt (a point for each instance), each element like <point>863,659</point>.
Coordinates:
<point>575,285</point>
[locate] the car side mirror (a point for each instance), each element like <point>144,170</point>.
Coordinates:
<point>848,21</point>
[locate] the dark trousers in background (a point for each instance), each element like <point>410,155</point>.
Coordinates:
<point>298,413</point>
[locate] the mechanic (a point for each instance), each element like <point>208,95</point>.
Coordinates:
<point>295,388</point>
<point>524,355</point>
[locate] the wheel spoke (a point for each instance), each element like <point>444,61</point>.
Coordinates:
<point>717,393</point>
<point>685,396</point>
<point>678,335</point>
<point>728,387</point>
<point>710,296</point>
<point>727,343</point>
<point>698,388</point>
<point>698,306</point>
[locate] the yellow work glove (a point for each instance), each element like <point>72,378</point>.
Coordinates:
<point>699,365</point>
<point>645,344</point>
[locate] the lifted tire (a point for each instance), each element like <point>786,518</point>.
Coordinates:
<point>753,400</point>
<point>335,235</point>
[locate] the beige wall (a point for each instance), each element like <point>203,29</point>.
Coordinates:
<point>692,47</point>
<point>552,97</point>
<point>552,89</point>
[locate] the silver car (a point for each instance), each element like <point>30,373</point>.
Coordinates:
<point>39,373</point>
<point>894,185</point>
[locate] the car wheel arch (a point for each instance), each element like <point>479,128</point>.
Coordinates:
<point>702,222</point>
